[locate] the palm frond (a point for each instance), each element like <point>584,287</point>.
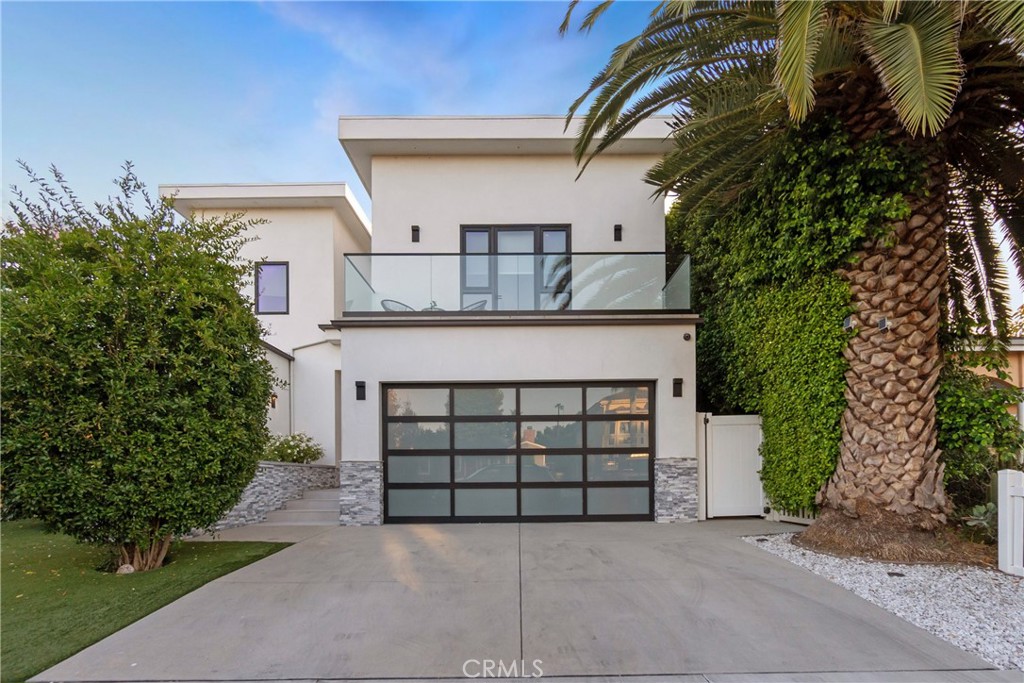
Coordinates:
<point>1005,18</point>
<point>838,48</point>
<point>890,9</point>
<point>801,26</point>
<point>918,61</point>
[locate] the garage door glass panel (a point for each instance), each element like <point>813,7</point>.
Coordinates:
<point>618,467</point>
<point>552,468</point>
<point>418,469</point>
<point>552,501</point>
<point>618,501</point>
<point>617,434</point>
<point>551,401</point>
<point>617,400</point>
<point>418,436</point>
<point>485,503</point>
<point>422,402</point>
<point>552,434</point>
<point>485,401</point>
<point>475,435</point>
<point>419,503</point>
<point>533,451</point>
<point>485,468</point>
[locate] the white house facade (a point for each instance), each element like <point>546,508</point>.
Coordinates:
<point>506,346</point>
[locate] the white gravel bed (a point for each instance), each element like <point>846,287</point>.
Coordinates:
<point>978,610</point>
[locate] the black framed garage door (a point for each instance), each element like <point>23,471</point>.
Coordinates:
<point>518,452</point>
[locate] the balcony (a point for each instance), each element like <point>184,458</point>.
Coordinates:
<point>479,284</point>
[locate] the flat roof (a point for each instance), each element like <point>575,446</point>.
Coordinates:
<point>364,137</point>
<point>189,198</point>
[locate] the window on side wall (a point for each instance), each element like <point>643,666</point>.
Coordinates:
<point>272,288</point>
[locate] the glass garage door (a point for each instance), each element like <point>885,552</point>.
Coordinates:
<point>518,452</point>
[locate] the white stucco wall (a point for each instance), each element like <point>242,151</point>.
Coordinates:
<point>314,408</point>
<point>305,239</point>
<point>441,193</point>
<point>279,416</point>
<point>518,354</point>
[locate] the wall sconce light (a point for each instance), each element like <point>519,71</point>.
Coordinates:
<point>677,387</point>
<point>618,232</point>
<point>848,324</point>
<point>360,391</point>
<point>883,324</point>
<point>273,400</point>
<point>415,233</point>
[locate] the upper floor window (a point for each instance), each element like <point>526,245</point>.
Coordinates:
<point>272,287</point>
<point>515,267</point>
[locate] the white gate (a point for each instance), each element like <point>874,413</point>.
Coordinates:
<point>731,465</point>
<point>1011,522</point>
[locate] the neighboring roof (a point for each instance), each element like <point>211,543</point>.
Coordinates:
<point>364,137</point>
<point>273,349</point>
<point>243,196</point>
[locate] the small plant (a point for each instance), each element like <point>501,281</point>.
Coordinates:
<point>299,447</point>
<point>981,522</point>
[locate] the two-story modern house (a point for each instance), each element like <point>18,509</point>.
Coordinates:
<point>506,346</point>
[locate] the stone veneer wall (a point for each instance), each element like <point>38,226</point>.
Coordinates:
<point>675,489</point>
<point>362,492</point>
<point>274,485</point>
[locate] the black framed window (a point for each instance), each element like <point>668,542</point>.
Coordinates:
<point>539,451</point>
<point>516,267</point>
<point>272,287</point>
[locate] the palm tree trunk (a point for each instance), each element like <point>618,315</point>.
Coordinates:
<point>889,463</point>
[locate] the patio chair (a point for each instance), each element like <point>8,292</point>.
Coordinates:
<point>395,306</point>
<point>476,306</point>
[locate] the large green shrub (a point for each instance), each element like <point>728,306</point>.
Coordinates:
<point>134,385</point>
<point>299,447</point>
<point>977,435</point>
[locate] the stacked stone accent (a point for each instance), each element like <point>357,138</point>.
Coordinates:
<point>675,489</point>
<point>274,485</point>
<point>362,497</point>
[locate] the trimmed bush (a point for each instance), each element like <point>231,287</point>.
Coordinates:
<point>134,385</point>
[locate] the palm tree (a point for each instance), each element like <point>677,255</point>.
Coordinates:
<point>946,78</point>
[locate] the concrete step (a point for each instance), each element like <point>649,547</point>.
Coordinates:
<point>322,517</point>
<point>322,494</point>
<point>326,504</point>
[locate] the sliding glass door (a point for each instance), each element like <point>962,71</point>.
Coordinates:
<point>515,268</point>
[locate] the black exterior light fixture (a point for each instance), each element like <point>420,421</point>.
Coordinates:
<point>360,391</point>
<point>618,232</point>
<point>848,324</point>
<point>273,400</point>
<point>415,233</point>
<point>677,387</point>
<point>883,324</point>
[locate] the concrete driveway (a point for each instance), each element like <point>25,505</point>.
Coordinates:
<point>683,601</point>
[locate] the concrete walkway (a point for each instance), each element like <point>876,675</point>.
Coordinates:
<point>684,602</point>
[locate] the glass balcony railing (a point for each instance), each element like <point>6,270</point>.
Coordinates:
<point>478,283</point>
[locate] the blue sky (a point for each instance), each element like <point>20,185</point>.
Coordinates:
<point>250,92</point>
<point>230,92</point>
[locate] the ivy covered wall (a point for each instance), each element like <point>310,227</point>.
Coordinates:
<point>763,278</point>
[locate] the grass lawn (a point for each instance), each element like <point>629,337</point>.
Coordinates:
<point>54,602</point>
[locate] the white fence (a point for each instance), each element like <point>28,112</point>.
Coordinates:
<point>804,516</point>
<point>1011,522</point>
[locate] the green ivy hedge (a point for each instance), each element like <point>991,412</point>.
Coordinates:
<point>787,351</point>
